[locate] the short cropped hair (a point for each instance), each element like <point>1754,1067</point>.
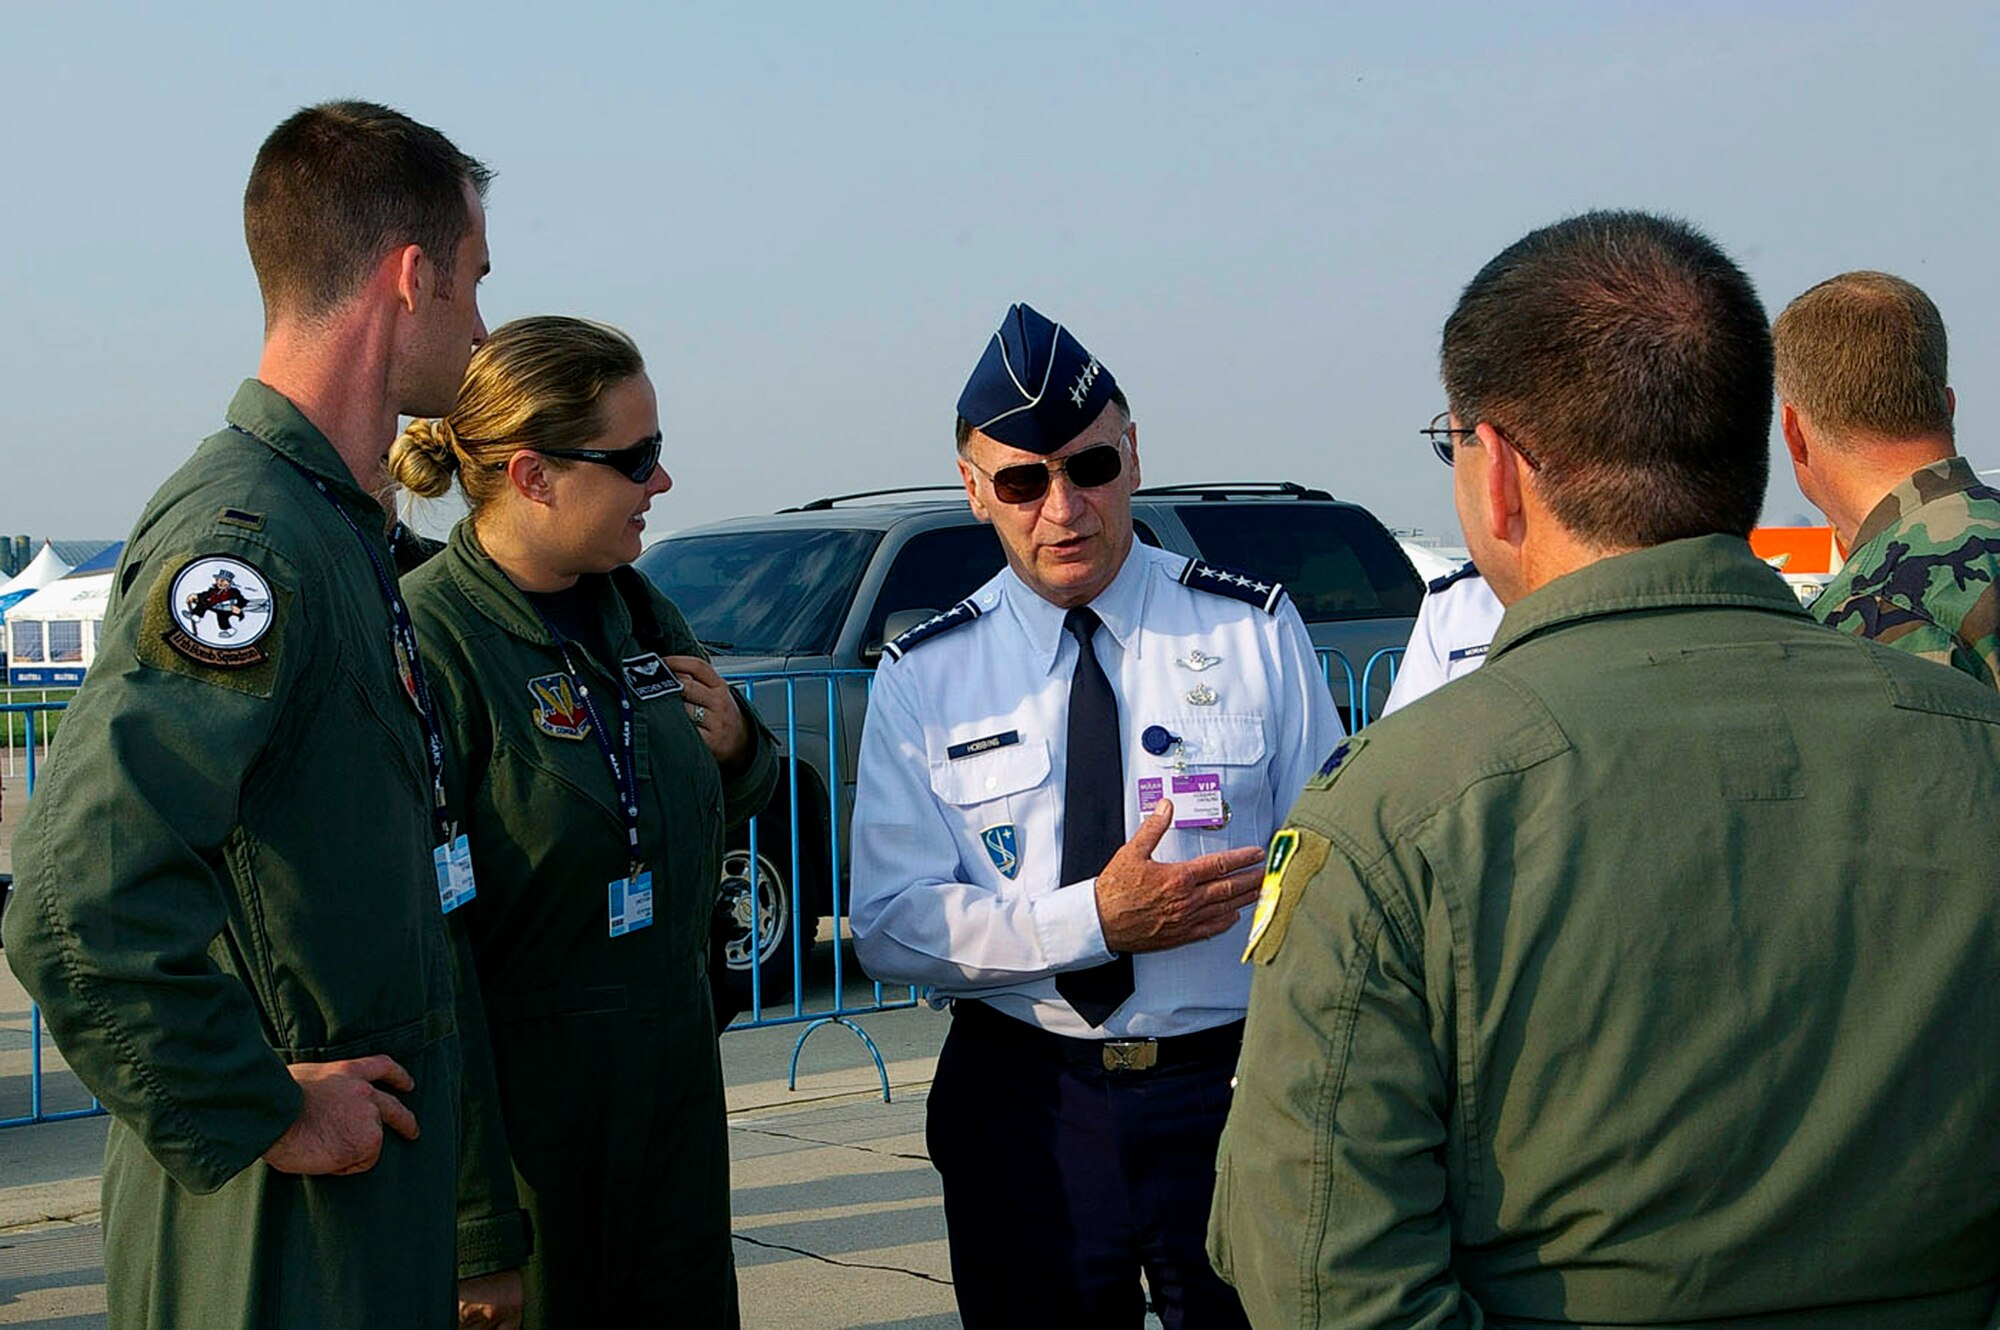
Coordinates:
<point>1864,353</point>
<point>964,429</point>
<point>537,383</point>
<point>338,185</point>
<point>1632,361</point>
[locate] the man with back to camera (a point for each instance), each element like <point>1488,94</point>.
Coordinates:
<point>1867,417</point>
<point>1065,784</point>
<point>1627,980</point>
<point>229,909</point>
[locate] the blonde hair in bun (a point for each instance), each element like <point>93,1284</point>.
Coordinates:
<point>535,383</point>
<point>424,458</point>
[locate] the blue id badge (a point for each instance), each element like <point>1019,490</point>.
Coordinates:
<point>453,862</point>
<point>631,903</point>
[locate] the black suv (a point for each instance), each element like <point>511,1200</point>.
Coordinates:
<point>796,606</point>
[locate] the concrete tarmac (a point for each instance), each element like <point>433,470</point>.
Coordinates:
<point>837,1216</point>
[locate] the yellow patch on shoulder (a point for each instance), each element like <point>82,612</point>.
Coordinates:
<point>1296,854</point>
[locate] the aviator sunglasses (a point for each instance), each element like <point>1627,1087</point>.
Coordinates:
<point>636,463</point>
<point>1094,466</point>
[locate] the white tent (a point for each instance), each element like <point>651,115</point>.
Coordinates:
<point>52,635</point>
<point>44,568</point>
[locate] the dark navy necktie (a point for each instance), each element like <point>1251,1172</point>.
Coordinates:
<point>1093,812</point>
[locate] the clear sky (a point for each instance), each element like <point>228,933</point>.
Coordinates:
<point>811,216</point>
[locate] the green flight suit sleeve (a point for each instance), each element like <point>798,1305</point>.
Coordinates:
<point>1330,1205</point>
<point>747,790</point>
<point>125,926</point>
<point>494,1232</point>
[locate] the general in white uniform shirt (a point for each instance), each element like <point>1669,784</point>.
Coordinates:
<point>958,818</point>
<point>1454,626</point>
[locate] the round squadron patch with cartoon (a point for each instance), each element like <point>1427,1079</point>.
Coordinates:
<point>221,608</point>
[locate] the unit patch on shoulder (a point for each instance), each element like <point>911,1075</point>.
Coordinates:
<point>1296,854</point>
<point>1342,753</point>
<point>214,617</point>
<point>1221,582</point>
<point>559,712</point>
<point>962,613</point>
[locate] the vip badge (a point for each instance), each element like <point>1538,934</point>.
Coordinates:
<point>221,607</point>
<point>559,712</point>
<point>1003,848</point>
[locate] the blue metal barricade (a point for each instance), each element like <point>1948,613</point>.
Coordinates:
<point>22,719</point>
<point>802,838</point>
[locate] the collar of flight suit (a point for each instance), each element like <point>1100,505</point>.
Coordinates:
<point>1121,607</point>
<point>1953,475</point>
<point>269,417</point>
<point>1700,571</point>
<point>503,604</point>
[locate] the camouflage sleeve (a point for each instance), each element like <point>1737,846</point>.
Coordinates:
<point>1330,1195</point>
<point>1881,620</point>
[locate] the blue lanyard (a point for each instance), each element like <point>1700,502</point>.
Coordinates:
<point>624,760</point>
<point>403,636</point>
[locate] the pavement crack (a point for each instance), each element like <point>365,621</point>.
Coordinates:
<point>835,1145</point>
<point>850,1265</point>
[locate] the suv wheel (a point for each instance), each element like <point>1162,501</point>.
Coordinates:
<point>757,921</point>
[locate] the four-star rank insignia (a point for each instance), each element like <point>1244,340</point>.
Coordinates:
<point>559,712</point>
<point>1003,847</point>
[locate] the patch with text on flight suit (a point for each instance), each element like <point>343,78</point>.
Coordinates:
<point>1296,854</point>
<point>649,677</point>
<point>559,712</point>
<point>217,618</point>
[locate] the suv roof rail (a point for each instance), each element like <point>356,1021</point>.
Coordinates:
<point>821,505</point>
<point>1228,489</point>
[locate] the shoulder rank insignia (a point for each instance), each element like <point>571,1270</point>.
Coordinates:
<point>1335,760</point>
<point>559,712</point>
<point>1221,582</point>
<point>1296,854</point>
<point>1458,574</point>
<point>938,624</point>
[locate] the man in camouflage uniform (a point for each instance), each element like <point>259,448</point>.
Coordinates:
<point>1867,417</point>
<point>1627,981</point>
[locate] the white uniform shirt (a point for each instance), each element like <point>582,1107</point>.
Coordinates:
<point>1454,626</point>
<point>967,738</point>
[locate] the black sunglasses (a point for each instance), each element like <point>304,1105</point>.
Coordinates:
<point>1444,440</point>
<point>636,463</point>
<point>1097,465</point>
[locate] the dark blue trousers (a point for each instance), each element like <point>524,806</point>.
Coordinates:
<point>1063,1181</point>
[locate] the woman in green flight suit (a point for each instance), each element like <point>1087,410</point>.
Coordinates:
<point>594,761</point>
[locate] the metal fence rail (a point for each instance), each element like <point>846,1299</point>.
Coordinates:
<point>796,854</point>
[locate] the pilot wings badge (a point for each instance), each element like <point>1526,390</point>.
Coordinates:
<point>559,712</point>
<point>1003,848</point>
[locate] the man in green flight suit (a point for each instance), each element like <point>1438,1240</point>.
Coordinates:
<point>228,907</point>
<point>1628,981</point>
<point>1867,418</point>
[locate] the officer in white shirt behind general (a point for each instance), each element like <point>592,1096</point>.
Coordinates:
<point>1454,626</point>
<point>1066,786</point>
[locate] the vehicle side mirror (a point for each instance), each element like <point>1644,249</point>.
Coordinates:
<point>898,623</point>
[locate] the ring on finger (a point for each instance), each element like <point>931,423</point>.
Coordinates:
<point>699,714</point>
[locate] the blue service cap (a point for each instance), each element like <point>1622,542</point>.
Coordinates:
<point>1036,388</point>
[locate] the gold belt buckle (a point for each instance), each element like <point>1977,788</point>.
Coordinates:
<point>1131,1054</point>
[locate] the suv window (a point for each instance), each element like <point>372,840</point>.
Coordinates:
<point>934,571</point>
<point>1335,563</point>
<point>763,593</point>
